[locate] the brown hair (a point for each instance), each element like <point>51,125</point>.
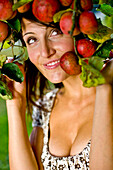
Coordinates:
<point>37,85</point>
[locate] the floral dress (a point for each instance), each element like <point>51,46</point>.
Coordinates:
<point>41,116</point>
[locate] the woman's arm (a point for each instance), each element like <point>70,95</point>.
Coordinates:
<point>101,155</point>
<point>36,140</point>
<point>21,155</point>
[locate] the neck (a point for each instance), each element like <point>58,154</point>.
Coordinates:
<point>73,87</point>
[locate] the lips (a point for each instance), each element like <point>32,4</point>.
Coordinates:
<point>52,64</point>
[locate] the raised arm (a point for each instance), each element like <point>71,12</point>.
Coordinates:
<point>101,156</point>
<point>21,155</point>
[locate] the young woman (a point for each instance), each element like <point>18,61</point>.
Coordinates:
<point>72,125</point>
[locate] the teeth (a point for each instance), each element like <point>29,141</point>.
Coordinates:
<point>53,63</point>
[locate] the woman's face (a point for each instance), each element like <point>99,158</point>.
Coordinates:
<point>45,47</point>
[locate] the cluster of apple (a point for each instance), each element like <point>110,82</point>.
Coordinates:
<point>6,14</point>
<point>72,15</point>
<point>84,21</point>
<point>45,10</point>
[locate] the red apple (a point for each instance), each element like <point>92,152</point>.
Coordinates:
<point>88,22</point>
<point>85,47</point>
<point>24,8</point>
<point>69,63</point>
<point>3,31</point>
<point>44,10</point>
<point>5,9</point>
<point>86,5</point>
<point>66,24</point>
<point>66,2</point>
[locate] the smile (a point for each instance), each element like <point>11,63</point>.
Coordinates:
<point>52,64</point>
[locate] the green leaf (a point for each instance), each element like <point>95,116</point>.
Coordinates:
<point>15,50</point>
<point>20,3</point>
<point>106,9</point>
<point>5,45</point>
<point>102,34</point>
<point>57,16</point>
<point>104,49</point>
<point>5,93</point>
<point>90,76</point>
<point>22,57</point>
<point>96,62</point>
<point>13,72</point>
<point>15,24</point>
<point>2,59</point>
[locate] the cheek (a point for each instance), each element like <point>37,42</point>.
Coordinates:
<point>67,45</point>
<point>32,56</point>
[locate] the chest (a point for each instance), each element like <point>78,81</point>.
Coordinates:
<point>70,126</point>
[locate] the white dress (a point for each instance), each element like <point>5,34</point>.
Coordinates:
<point>41,116</point>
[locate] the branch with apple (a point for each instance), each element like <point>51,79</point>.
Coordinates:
<point>92,40</point>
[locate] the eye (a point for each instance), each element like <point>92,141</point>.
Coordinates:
<point>31,40</point>
<point>55,32</point>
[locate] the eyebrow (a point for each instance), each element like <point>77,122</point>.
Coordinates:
<point>28,33</point>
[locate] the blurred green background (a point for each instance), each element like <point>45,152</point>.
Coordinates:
<point>3,136</point>
<point>4,159</point>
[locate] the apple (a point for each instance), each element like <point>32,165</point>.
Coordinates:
<point>69,63</point>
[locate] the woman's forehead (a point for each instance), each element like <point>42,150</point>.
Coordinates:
<point>27,23</point>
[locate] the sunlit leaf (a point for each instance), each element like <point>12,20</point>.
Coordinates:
<point>22,57</point>
<point>90,76</point>
<point>20,3</point>
<point>5,45</point>
<point>96,62</point>
<point>102,34</point>
<point>106,9</point>
<point>57,16</point>
<point>2,59</point>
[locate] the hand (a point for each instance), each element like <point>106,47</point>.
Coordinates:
<point>18,91</point>
<point>107,72</point>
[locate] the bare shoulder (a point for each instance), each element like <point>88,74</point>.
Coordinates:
<point>36,140</point>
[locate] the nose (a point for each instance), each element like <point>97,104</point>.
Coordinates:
<point>47,49</point>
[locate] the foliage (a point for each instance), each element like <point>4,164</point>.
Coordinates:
<point>91,72</point>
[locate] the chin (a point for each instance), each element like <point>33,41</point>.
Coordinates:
<point>59,79</point>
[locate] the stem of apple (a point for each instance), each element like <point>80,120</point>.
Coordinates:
<point>73,18</point>
<point>2,45</point>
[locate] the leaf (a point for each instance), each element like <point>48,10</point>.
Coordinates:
<point>96,62</point>
<point>2,59</point>
<point>16,50</point>
<point>12,71</point>
<point>5,45</point>
<point>106,9</point>
<point>57,16</point>
<point>90,76</point>
<point>104,49</point>
<point>5,93</point>
<point>102,34</point>
<point>20,3</point>
<point>21,58</point>
<point>15,24</point>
